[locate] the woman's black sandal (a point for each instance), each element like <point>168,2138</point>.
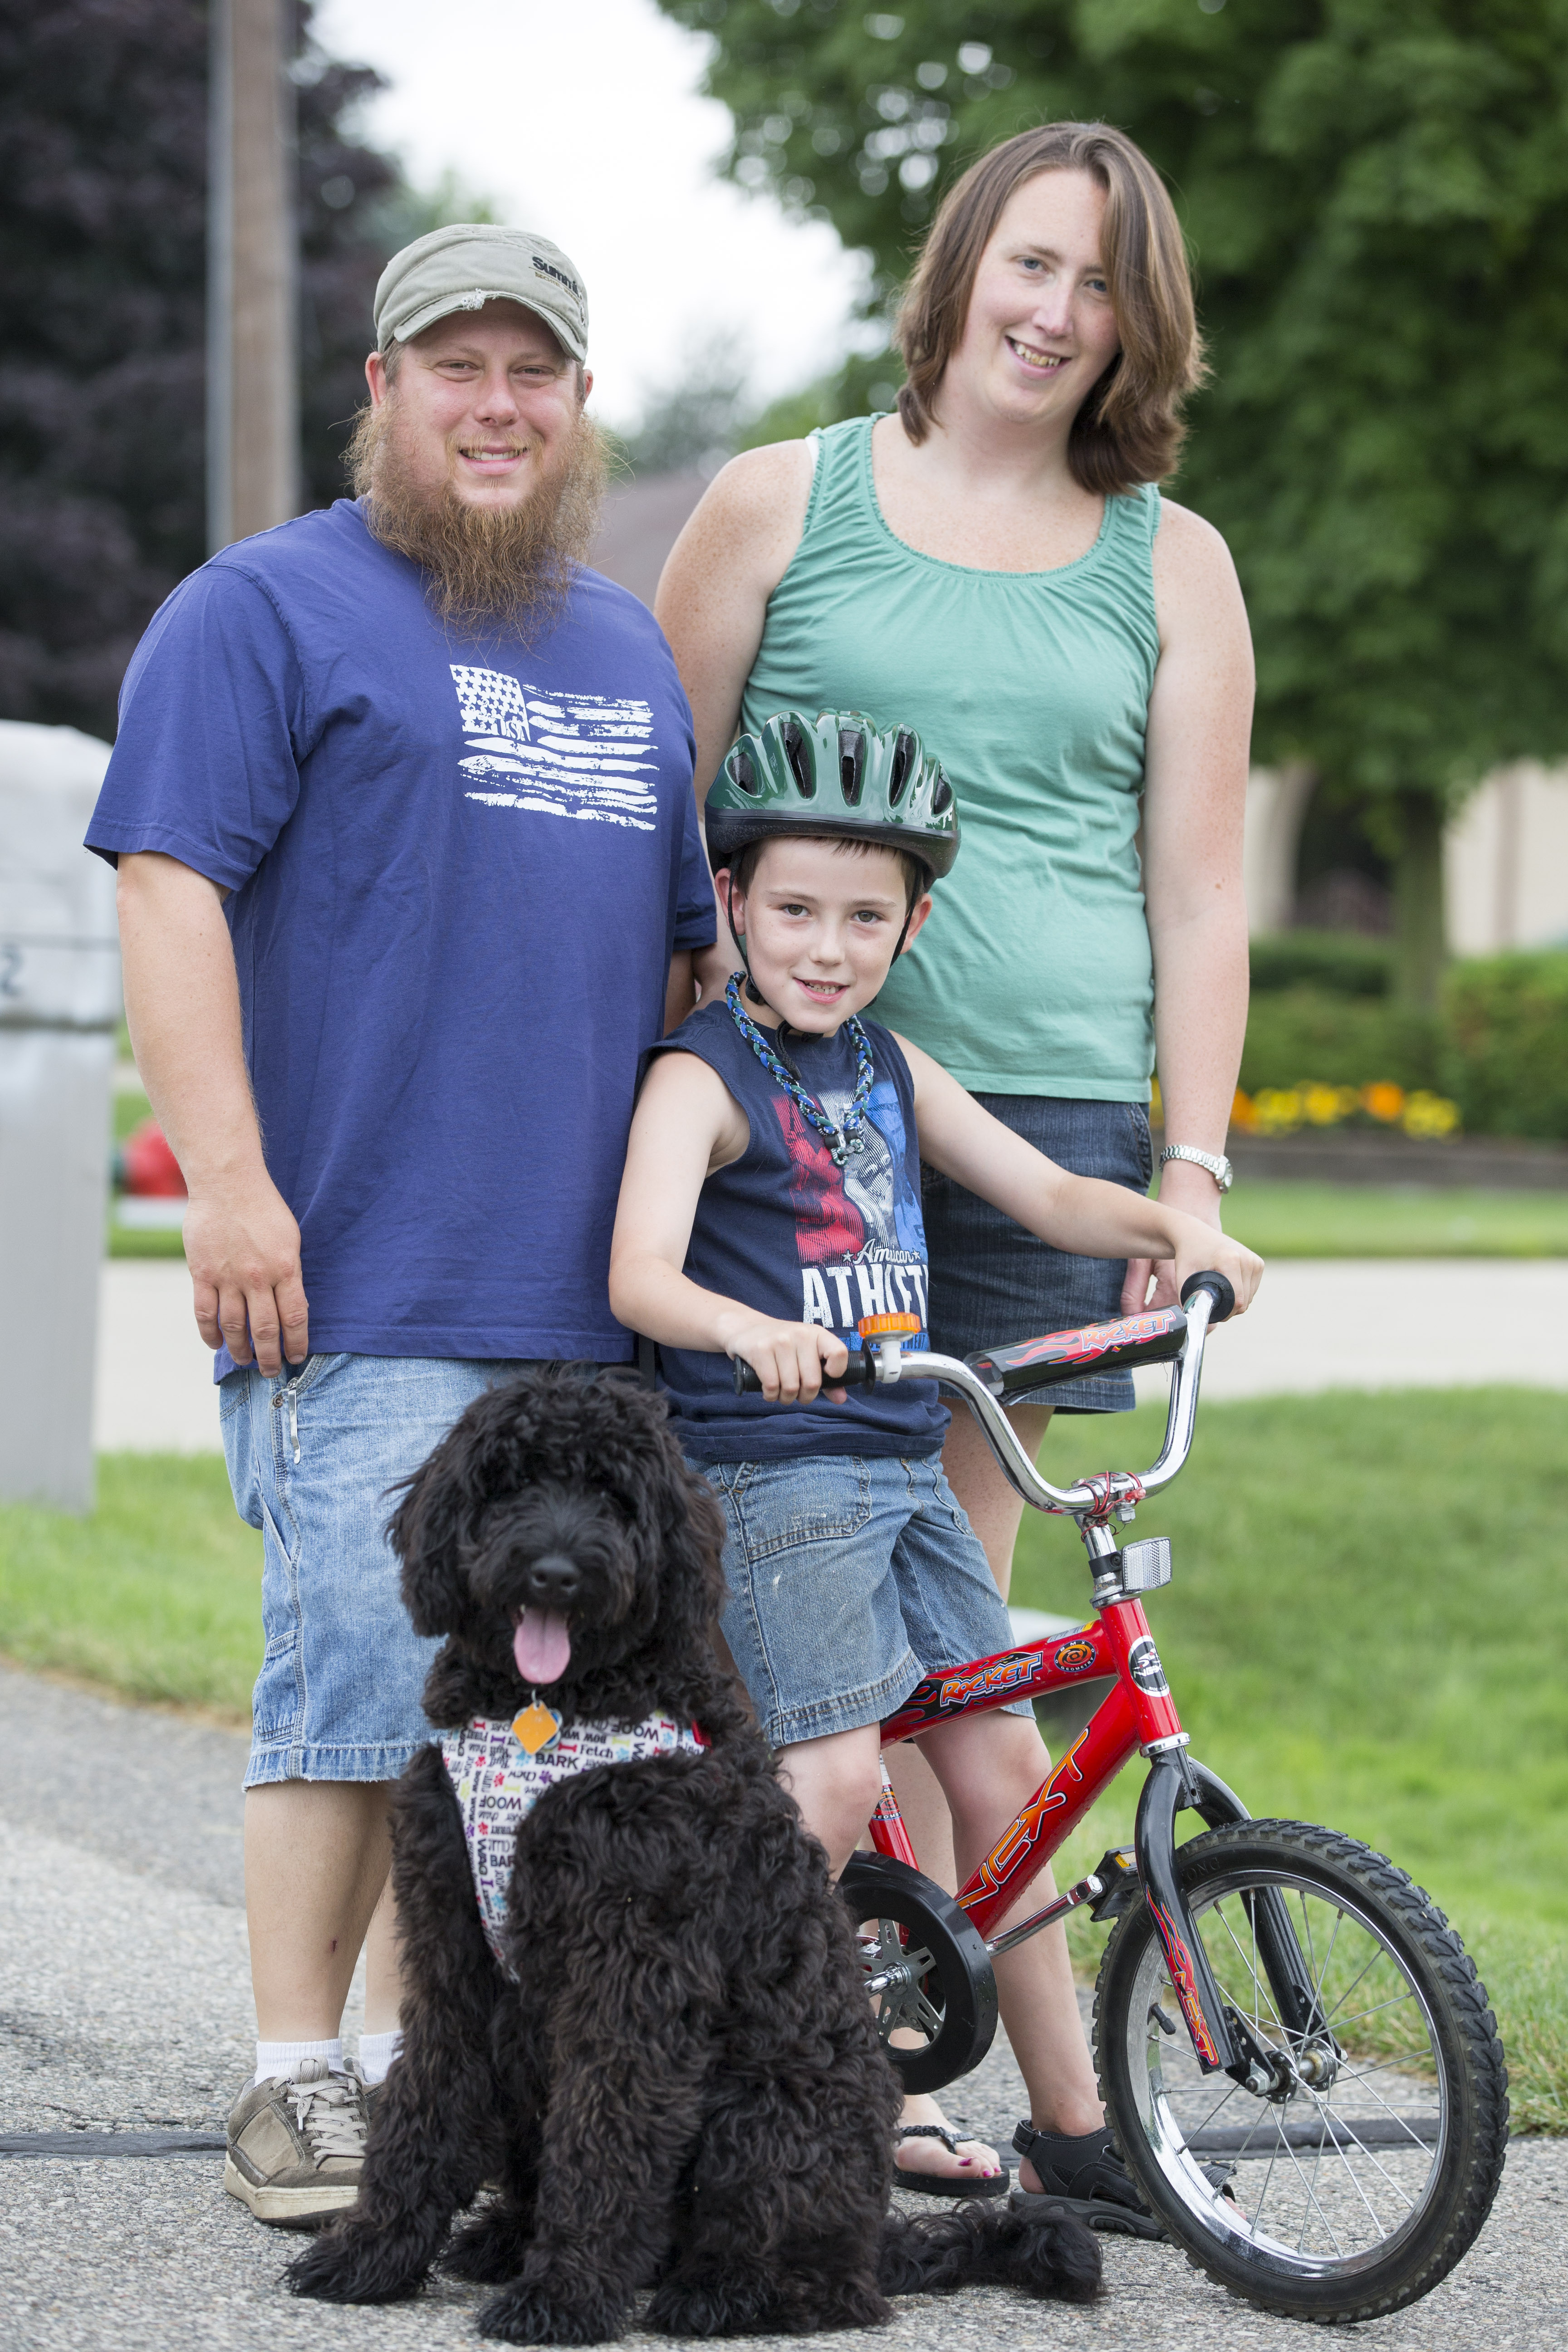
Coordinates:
<point>948,2184</point>
<point>1084,2172</point>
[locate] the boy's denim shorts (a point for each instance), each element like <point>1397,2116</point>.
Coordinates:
<point>311,1459</point>
<point>992,1283</point>
<point>850,1578</point>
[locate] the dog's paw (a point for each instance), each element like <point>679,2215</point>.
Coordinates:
<point>529,2314</point>
<point>488,2250</point>
<point>347,2266</point>
<point>722,2299</point>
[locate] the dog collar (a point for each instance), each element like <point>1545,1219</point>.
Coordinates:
<point>497,1784</point>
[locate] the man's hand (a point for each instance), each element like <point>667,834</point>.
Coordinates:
<point>791,1358</point>
<point>243,1251</point>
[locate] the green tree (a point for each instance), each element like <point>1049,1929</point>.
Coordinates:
<point>1376,196</point>
<point>103,129</point>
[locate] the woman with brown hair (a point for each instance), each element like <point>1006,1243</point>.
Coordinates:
<point>993,566</point>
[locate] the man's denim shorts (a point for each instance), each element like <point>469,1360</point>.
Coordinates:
<point>312,1459</point>
<point>993,1283</point>
<point>849,1578</point>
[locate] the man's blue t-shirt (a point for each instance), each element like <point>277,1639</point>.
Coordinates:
<point>457,867</point>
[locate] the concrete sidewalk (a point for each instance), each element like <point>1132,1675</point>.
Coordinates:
<point>1363,1323</point>
<point>124,2003</point>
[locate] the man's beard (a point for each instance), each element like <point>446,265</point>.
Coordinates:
<point>507,567</point>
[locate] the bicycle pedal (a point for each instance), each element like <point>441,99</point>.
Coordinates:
<point>1116,1871</point>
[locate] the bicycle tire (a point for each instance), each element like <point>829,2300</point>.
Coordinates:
<point>1443,2158</point>
<point>950,1991</point>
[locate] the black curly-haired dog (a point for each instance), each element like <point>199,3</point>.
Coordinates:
<point>671,2071</point>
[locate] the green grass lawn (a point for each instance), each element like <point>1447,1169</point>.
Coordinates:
<point>1372,1637</point>
<point>1280,1218</point>
<point>157,1594</point>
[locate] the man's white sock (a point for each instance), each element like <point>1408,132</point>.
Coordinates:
<point>376,2052</point>
<point>278,2058</point>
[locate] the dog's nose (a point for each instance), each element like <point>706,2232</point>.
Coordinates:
<point>552,1580</point>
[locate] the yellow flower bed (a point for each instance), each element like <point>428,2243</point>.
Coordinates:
<point>1284,1110</point>
<point>1281,1110</point>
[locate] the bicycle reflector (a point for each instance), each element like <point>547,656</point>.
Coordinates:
<point>1149,1339</point>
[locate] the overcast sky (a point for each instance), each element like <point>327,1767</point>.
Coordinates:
<point>581,119</point>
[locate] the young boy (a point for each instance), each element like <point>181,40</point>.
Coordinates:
<point>770,1200</point>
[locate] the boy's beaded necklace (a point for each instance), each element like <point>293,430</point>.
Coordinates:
<point>840,1141</point>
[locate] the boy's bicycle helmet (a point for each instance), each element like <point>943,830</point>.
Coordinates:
<point>834,774</point>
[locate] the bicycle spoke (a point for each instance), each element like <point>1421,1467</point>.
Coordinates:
<point>1366,1967</point>
<point>1395,2001</point>
<point>1317,2161</point>
<point>1328,1955</point>
<point>1314,2201</point>
<point>1354,2178</point>
<point>1393,2113</point>
<point>1258,1982</point>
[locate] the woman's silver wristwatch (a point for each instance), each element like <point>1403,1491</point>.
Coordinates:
<point>1218,1166</point>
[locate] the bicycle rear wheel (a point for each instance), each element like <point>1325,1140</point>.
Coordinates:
<point>1365,2172</point>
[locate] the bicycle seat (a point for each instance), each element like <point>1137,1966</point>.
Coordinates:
<point>1153,1338</point>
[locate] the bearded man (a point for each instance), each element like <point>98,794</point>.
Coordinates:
<point>408,862</point>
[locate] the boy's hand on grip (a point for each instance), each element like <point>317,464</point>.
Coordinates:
<point>793,1361</point>
<point>1204,1250</point>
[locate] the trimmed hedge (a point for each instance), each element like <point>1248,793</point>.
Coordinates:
<point>1348,1041</point>
<point>1499,1048</point>
<point>1343,962</point>
<point>1506,1019</point>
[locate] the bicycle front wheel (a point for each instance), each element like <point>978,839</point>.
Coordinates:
<point>1363,2172</point>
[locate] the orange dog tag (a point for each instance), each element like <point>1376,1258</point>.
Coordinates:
<point>536,1726</point>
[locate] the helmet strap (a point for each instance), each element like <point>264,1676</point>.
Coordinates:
<point>753,991</point>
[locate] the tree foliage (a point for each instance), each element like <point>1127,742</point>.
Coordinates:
<point>1376,192</point>
<point>103,135</point>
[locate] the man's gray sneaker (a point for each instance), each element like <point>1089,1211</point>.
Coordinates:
<point>296,2144</point>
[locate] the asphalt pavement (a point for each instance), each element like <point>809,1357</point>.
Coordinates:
<point>124,2007</point>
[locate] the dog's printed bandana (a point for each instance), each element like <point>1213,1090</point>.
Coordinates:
<point>497,1784</point>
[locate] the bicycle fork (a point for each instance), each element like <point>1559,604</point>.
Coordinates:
<point>1176,1781</point>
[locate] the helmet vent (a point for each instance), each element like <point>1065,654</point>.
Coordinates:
<point>941,795</point>
<point>799,760</point>
<point>851,764</point>
<point>744,772</point>
<point>903,760</point>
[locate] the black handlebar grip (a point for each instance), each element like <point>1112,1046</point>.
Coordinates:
<point>860,1369</point>
<point>1218,1289</point>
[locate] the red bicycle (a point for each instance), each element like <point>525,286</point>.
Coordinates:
<point>1273,1994</point>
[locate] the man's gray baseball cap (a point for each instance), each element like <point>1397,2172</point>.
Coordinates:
<point>472,263</point>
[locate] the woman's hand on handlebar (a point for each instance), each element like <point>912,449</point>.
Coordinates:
<point>794,1362</point>
<point>1200,1250</point>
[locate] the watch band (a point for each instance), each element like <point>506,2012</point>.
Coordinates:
<point>1218,1166</point>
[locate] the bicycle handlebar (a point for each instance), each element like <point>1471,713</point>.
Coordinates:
<point>1207,1299</point>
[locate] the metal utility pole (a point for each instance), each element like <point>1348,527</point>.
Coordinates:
<point>253,364</point>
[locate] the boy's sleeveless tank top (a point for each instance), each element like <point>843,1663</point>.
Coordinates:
<point>1034,975</point>
<point>787,1232</point>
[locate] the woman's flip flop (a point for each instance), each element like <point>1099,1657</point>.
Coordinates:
<point>948,2184</point>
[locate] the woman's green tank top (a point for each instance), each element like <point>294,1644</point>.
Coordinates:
<point>1034,974</point>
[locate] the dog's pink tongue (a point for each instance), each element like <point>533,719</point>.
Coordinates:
<point>541,1645</point>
